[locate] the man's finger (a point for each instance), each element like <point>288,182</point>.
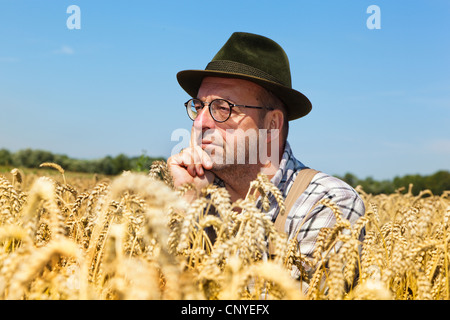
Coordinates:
<point>196,137</point>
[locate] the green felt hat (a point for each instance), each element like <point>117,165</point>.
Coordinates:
<point>255,58</point>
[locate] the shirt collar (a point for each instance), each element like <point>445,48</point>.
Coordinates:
<point>288,166</point>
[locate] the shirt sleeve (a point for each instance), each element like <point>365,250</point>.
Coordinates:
<point>307,218</point>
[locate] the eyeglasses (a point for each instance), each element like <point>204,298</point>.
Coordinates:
<point>219,109</point>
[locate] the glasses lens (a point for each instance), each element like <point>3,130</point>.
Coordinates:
<point>193,107</point>
<point>220,110</point>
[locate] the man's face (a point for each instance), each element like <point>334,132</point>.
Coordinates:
<point>233,141</point>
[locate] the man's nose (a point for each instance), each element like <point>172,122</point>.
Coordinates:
<point>204,120</point>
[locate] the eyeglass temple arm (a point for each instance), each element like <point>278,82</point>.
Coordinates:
<point>253,107</point>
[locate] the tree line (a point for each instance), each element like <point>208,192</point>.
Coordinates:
<point>437,183</point>
<point>108,165</point>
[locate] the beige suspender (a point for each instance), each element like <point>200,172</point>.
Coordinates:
<point>301,182</point>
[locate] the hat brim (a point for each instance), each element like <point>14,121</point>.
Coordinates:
<point>297,104</point>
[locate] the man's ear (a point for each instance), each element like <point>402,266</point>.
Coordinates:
<point>273,122</point>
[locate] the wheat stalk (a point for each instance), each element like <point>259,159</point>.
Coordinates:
<point>135,238</point>
<point>54,166</point>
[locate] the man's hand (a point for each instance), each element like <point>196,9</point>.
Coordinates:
<point>192,166</point>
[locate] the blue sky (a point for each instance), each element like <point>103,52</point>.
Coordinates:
<point>381,97</point>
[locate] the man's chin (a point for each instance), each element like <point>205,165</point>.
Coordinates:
<point>219,167</point>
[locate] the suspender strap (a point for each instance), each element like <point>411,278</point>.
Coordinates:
<point>301,182</point>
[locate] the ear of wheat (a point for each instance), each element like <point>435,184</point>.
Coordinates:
<point>135,238</point>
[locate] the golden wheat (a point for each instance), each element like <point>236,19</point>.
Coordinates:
<point>135,238</point>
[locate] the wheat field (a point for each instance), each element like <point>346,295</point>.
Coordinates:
<point>133,237</point>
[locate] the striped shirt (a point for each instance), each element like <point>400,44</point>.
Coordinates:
<point>322,186</point>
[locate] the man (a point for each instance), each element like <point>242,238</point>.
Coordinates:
<point>244,98</point>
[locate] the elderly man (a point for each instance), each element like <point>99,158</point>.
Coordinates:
<point>244,99</point>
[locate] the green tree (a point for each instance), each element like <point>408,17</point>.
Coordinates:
<point>120,163</point>
<point>5,157</point>
<point>106,165</point>
<point>21,158</point>
<point>31,158</point>
<point>438,182</point>
<point>351,179</point>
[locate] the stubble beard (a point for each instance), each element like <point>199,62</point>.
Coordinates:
<point>240,154</point>
<point>238,164</point>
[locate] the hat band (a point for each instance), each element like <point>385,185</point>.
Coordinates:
<point>240,68</point>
